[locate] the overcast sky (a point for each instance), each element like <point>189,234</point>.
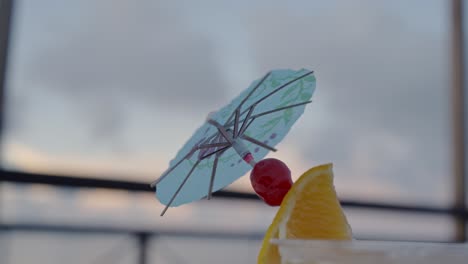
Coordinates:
<point>113,88</point>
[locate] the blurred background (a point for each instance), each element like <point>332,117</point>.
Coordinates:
<point>99,95</point>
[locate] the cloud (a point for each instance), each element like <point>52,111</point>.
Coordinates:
<point>111,58</point>
<point>380,109</point>
<point>16,109</point>
<point>22,157</point>
<point>382,91</point>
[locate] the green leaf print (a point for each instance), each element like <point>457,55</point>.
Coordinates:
<point>287,115</point>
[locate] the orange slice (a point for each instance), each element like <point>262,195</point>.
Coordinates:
<point>310,210</point>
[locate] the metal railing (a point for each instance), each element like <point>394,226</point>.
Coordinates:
<point>80,182</point>
<point>143,235</point>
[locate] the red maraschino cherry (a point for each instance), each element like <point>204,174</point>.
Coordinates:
<point>271,180</point>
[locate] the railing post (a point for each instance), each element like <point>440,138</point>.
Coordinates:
<point>6,7</point>
<point>142,248</point>
<point>459,115</point>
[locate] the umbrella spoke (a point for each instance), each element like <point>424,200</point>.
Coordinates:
<point>280,109</point>
<point>223,144</point>
<point>248,96</point>
<point>171,169</point>
<point>229,122</point>
<point>221,129</point>
<point>213,174</point>
<point>250,117</point>
<point>180,187</point>
<point>282,86</point>
<point>247,126</point>
<point>256,142</point>
<point>214,152</point>
<point>246,119</point>
<point>236,123</point>
<point>214,145</point>
<point>254,89</point>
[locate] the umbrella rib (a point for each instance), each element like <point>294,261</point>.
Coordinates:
<point>208,139</point>
<point>213,173</point>
<point>282,86</point>
<point>214,145</point>
<point>214,152</point>
<point>185,157</point>
<point>256,142</point>
<point>248,96</point>
<point>229,121</point>
<point>180,187</point>
<point>221,129</point>
<point>276,90</point>
<point>236,123</point>
<point>255,88</point>
<point>247,126</point>
<point>280,109</point>
<point>171,169</point>
<point>250,108</point>
<point>244,122</point>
